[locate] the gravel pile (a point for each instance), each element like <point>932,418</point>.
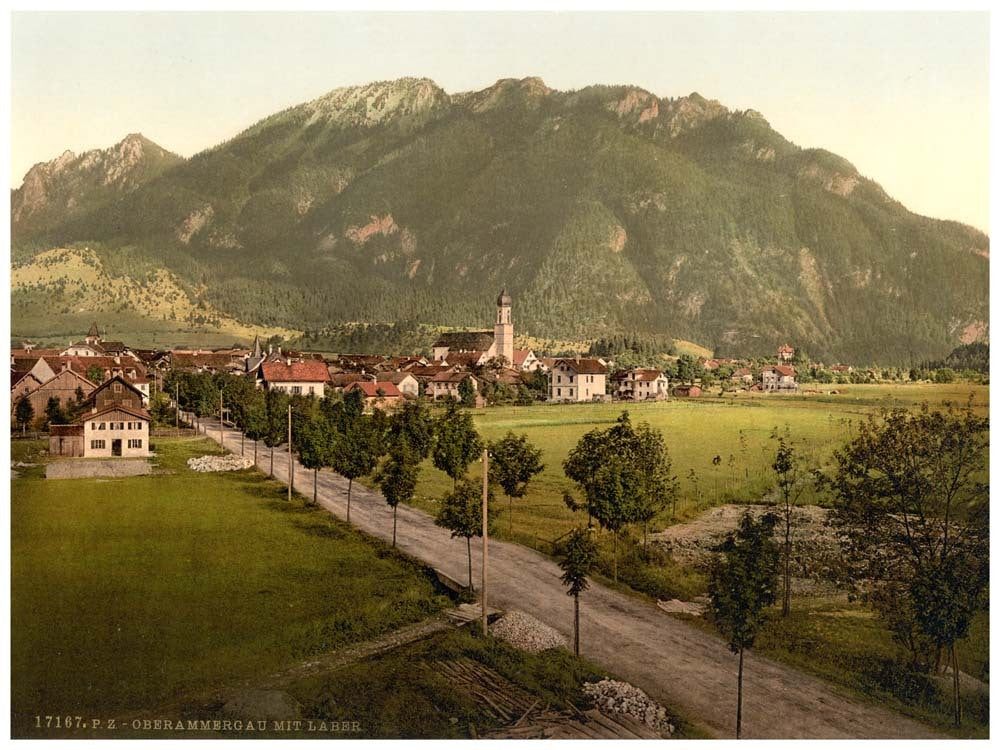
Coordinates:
<point>615,697</point>
<point>526,633</point>
<point>229,462</point>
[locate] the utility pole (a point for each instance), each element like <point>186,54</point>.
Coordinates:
<point>177,409</point>
<point>486,486</point>
<point>289,453</point>
<point>222,427</point>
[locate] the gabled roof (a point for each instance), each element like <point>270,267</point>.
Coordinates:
<point>107,384</point>
<point>395,377</point>
<point>371,390</point>
<point>450,376</point>
<point>582,366</point>
<point>782,370</point>
<point>138,413</point>
<point>93,330</point>
<point>520,355</point>
<point>283,372</point>
<point>464,358</point>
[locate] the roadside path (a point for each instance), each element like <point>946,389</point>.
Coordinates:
<point>675,663</point>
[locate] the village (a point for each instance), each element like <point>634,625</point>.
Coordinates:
<point>106,385</point>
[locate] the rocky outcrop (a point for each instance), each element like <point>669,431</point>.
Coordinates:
<point>377,103</point>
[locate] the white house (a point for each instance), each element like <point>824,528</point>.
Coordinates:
<point>295,378</point>
<point>577,380</point>
<point>640,384</point>
<point>407,384</point>
<point>116,430</point>
<point>445,384</point>
<point>778,378</point>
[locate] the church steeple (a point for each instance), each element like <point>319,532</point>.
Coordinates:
<point>503,329</point>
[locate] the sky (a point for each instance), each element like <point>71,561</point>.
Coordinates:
<point>903,96</point>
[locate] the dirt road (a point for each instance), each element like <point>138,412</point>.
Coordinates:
<point>675,663</point>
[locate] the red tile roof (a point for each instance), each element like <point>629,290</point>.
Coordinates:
<point>283,372</point>
<point>371,390</point>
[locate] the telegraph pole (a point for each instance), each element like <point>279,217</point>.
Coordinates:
<point>289,453</point>
<point>222,428</point>
<point>486,486</point>
<point>177,409</point>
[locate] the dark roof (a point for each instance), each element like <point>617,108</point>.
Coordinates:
<point>395,377</point>
<point>504,298</point>
<point>465,341</point>
<point>93,330</point>
<point>464,358</point>
<point>140,413</point>
<point>107,383</point>
<point>583,366</point>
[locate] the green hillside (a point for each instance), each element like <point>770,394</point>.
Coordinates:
<point>604,210</point>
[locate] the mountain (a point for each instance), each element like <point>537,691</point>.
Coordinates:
<point>71,185</point>
<point>603,210</point>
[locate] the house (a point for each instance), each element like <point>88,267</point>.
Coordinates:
<point>841,369</point>
<point>525,360</point>
<point>295,378</point>
<point>340,380</point>
<point>445,384</point>
<point>577,380</point>
<point>687,391</point>
<point>640,384</point>
<point>778,378</point>
<point>465,359</point>
<point>114,424</point>
<point>62,386</point>
<point>496,343</point>
<point>786,354</point>
<point>380,393</point>
<point>406,382</point>
<point>743,376</point>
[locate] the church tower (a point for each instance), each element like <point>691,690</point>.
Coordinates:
<point>503,330</point>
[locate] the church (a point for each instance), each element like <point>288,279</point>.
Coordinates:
<point>478,347</point>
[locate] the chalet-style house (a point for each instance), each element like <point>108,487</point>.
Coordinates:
<point>743,376</point>
<point>295,378</point>
<point>786,354</point>
<point>525,360</point>
<point>778,378</point>
<point>63,386</point>
<point>407,384</point>
<point>445,384</point>
<point>113,425</point>
<point>485,344</point>
<point>640,385</point>
<point>577,380</point>
<point>382,393</point>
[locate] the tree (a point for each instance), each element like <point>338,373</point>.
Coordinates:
<point>397,478</point>
<point>253,418</point>
<point>275,422</point>
<point>53,412</point>
<point>356,451</point>
<point>787,474</point>
<point>466,392</point>
<point>912,505</point>
<point>456,444</point>
<point>24,413</point>
<point>95,374</point>
<point>461,512</point>
<point>578,560</point>
<point>513,462</point>
<point>742,585</point>
<point>413,426</point>
<point>314,446</point>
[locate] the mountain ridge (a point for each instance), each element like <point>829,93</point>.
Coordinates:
<point>605,209</point>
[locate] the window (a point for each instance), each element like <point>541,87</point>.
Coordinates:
<point>312,391</point>
<point>558,378</point>
<point>570,391</point>
<point>117,387</point>
<point>558,391</point>
<point>296,390</point>
<point>135,443</point>
<point>97,445</point>
<point>101,426</point>
<point>93,425</point>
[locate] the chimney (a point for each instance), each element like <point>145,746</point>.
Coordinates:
<point>375,378</point>
<point>288,361</point>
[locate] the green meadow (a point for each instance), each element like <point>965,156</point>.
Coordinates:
<point>126,593</point>
<point>737,429</point>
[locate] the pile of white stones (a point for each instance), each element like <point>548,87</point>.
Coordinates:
<point>526,633</point>
<point>615,697</point>
<point>229,462</point>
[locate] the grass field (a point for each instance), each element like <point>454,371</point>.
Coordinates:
<point>738,429</point>
<point>127,592</point>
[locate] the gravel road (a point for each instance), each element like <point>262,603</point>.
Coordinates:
<point>677,665</point>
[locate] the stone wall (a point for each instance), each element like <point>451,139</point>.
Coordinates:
<point>89,468</point>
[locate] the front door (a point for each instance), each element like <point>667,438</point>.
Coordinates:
<point>116,447</point>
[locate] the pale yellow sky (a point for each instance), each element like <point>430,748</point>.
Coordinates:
<point>903,96</point>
